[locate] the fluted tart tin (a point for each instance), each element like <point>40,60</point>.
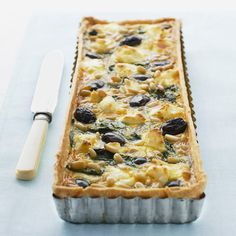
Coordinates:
<point>132,210</point>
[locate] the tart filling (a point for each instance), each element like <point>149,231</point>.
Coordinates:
<point>129,126</point>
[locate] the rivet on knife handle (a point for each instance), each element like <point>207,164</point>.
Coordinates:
<point>29,160</point>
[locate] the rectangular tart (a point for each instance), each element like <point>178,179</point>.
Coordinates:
<point>129,130</point>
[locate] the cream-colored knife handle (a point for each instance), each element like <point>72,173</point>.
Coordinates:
<point>29,160</point>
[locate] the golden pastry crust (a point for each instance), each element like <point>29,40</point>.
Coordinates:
<point>193,190</point>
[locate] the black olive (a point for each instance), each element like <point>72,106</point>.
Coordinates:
<point>131,41</point>
<point>174,183</point>
<point>82,183</point>
<point>139,160</point>
<point>84,115</point>
<point>93,55</point>
<point>113,137</point>
<point>139,100</point>
<point>174,126</point>
<point>111,67</point>
<point>161,63</point>
<point>93,32</point>
<point>100,151</point>
<point>141,77</point>
<point>97,85</point>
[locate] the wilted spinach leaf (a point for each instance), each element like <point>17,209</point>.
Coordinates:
<point>170,93</point>
<point>169,151</point>
<point>104,126</point>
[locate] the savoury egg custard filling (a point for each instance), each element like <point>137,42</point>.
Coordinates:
<point>129,127</point>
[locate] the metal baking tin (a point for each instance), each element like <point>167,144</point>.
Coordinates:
<point>133,210</point>
<point>123,210</point>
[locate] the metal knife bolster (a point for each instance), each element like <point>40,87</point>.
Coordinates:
<point>43,116</point>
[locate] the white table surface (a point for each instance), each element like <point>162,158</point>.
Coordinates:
<point>27,208</point>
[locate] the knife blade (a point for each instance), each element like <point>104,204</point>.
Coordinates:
<point>43,105</point>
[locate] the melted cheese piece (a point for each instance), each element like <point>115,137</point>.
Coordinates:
<point>134,119</point>
<point>132,86</point>
<point>175,171</point>
<point>152,35</point>
<point>125,69</point>
<point>154,139</point>
<point>120,177</point>
<point>102,45</point>
<point>110,29</point>
<point>158,173</point>
<point>93,66</point>
<point>153,32</point>
<point>127,54</point>
<point>167,111</point>
<point>168,78</point>
<point>84,142</point>
<point>108,104</point>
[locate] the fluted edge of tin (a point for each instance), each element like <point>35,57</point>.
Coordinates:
<point>134,210</point>
<point>187,81</point>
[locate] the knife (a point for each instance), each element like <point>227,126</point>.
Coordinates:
<point>43,105</point>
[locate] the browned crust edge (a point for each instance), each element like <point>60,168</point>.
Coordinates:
<point>193,191</point>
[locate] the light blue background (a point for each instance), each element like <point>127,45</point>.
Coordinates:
<point>27,208</point>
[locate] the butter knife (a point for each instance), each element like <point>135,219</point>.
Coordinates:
<point>43,105</point>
